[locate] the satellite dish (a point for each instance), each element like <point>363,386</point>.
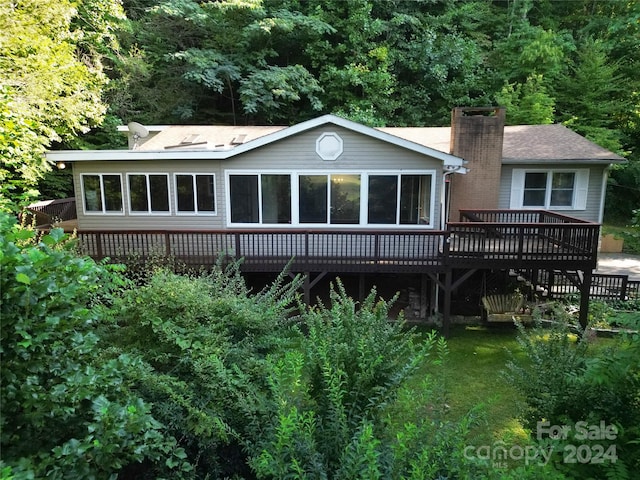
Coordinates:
<point>139,131</point>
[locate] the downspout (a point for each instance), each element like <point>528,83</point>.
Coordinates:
<point>443,199</point>
<point>443,218</point>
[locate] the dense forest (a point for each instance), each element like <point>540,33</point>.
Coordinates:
<point>73,70</point>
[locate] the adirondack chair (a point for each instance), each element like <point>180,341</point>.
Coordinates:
<point>504,307</point>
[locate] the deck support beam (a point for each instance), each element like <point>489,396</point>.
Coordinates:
<point>585,290</point>
<point>423,297</point>
<point>446,314</point>
<point>309,284</point>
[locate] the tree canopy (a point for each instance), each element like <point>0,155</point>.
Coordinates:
<point>67,66</point>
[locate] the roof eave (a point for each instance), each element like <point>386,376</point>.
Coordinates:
<point>126,155</point>
<point>568,161</point>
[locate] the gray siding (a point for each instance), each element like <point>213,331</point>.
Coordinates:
<point>361,153</point>
<point>594,192</point>
<point>156,221</point>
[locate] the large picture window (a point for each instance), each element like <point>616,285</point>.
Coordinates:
<point>102,193</point>
<point>195,193</point>
<point>260,198</point>
<point>148,193</point>
<point>551,189</point>
<point>350,198</point>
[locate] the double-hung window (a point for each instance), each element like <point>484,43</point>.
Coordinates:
<point>316,199</point>
<point>148,193</point>
<point>550,189</point>
<point>195,193</point>
<point>102,193</point>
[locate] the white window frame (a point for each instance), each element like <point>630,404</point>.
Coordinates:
<point>580,188</point>
<point>102,197</point>
<point>364,189</point>
<point>149,211</point>
<point>195,194</point>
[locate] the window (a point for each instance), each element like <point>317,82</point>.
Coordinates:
<point>102,193</point>
<point>552,189</point>
<point>262,198</point>
<point>149,193</point>
<point>313,198</point>
<point>303,198</point>
<point>399,199</point>
<point>195,193</point>
<point>345,199</point>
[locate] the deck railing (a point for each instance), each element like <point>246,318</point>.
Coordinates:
<point>271,250</point>
<point>494,239</point>
<point>516,237</point>
<point>606,287</point>
<point>49,212</point>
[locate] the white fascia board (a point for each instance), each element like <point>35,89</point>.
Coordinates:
<point>120,155</point>
<point>151,128</point>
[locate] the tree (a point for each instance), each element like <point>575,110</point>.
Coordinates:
<point>52,76</point>
<point>527,103</point>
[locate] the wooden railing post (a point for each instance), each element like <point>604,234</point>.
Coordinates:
<point>99,245</point>
<point>520,242</point>
<point>237,241</point>
<point>167,244</point>
<point>623,288</point>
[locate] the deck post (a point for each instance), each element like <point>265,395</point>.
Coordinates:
<point>99,246</point>
<point>307,288</point>
<point>361,287</point>
<point>585,290</point>
<point>446,314</point>
<point>423,297</point>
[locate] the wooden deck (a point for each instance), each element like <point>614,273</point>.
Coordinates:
<point>497,242</point>
<point>534,240</point>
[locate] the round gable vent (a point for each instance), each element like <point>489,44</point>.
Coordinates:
<point>329,146</point>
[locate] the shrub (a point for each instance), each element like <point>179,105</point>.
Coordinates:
<point>64,413</point>
<point>335,399</point>
<point>203,341</point>
<point>565,381</point>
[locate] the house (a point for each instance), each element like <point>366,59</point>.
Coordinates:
<point>339,197</point>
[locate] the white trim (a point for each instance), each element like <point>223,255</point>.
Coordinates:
<point>102,197</point>
<point>603,193</point>
<point>295,197</point>
<point>196,212</point>
<point>149,212</point>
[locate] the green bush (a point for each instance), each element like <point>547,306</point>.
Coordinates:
<point>565,380</point>
<point>203,341</point>
<point>65,413</point>
<point>336,398</point>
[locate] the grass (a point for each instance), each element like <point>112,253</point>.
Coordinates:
<point>474,382</point>
<point>477,358</point>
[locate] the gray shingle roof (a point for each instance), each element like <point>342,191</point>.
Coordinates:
<point>522,144</point>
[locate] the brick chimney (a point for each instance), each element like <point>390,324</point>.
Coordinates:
<point>476,135</point>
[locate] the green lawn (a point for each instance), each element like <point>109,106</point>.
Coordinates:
<point>474,366</point>
<point>476,361</point>
<point>477,358</point>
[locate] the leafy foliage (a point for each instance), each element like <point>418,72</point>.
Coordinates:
<point>65,412</point>
<point>566,381</point>
<point>203,342</point>
<point>335,397</point>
